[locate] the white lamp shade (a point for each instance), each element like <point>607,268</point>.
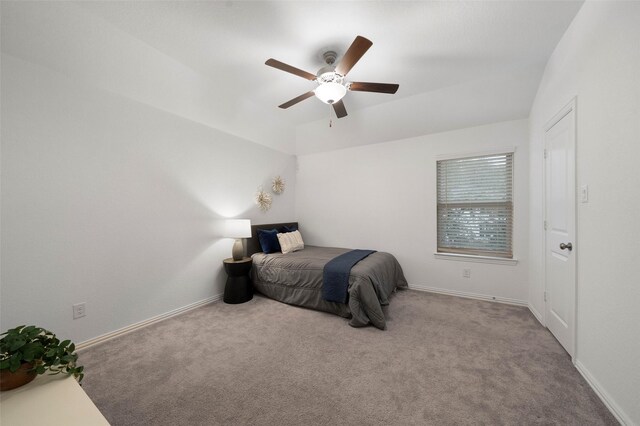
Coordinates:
<point>237,228</point>
<point>330,93</point>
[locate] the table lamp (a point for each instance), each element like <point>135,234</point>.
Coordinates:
<point>238,229</point>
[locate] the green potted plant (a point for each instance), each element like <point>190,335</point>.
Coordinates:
<point>27,351</point>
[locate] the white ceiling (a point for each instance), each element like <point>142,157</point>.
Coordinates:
<point>458,64</point>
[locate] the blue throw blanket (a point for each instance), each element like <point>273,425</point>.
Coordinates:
<point>335,275</point>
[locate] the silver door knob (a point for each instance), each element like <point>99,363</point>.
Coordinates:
<point>567,246</point>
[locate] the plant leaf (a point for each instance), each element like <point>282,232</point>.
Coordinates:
<point>14,363</point>
<point>17,344</point>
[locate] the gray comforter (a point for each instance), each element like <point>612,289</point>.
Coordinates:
<point>296,278</point>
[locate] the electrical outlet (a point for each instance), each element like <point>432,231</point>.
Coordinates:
<point>79,310</point>
<point>466,273</point>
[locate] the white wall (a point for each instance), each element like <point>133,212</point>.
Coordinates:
<point>383,197</point>
<point>67,37</point>
<point>113,201</point>
<point>598,60</point>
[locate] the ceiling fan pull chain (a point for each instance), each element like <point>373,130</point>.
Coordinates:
<point>330,121</point>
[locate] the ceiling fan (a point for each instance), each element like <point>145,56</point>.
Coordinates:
<point>332,85</point>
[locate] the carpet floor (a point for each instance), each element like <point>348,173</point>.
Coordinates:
<point>442,360</point>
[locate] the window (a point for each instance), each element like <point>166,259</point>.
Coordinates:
<point>475,205</point>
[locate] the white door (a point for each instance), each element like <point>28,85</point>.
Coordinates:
<point>560,247</point>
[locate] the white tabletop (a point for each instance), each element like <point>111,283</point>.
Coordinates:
<point>50,400</point>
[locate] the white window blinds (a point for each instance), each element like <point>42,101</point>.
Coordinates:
<point>475,205</point>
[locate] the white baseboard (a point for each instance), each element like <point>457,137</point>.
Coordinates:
<point>468,295</point>
<point>128,329</point>
<point>536,314</point>
<point>617,412</point>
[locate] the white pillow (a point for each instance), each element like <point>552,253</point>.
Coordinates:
<point>290,241</point>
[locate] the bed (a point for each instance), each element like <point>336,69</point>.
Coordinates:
<point>297,278</point>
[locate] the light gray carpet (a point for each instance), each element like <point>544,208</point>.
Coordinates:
<point>442,360</point>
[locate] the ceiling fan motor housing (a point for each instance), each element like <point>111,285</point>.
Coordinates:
<point>328,75</point>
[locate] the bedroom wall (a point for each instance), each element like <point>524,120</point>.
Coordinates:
<point>383,197</point>
<point>107,197</point>
<point>597,61</point>
<point>68,38</point>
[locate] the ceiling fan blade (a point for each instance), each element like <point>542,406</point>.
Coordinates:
<point>339,108</point>
<point>358,86</point>
<point>288,68</point>
<point>296,100</point>
<point>358,48</point>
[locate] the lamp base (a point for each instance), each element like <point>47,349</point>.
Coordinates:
<point>238,250</point>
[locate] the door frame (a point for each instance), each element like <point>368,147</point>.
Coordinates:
<point>563,112</point>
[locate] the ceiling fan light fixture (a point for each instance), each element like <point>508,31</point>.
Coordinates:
<point>330,92</point>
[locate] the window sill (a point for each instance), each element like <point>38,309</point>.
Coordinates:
<point>476,259</point>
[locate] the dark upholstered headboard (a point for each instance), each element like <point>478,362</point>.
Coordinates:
<point>253,244</point>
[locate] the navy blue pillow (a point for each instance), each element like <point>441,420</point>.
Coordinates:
<point>269,240</point>
<point>291,228</point>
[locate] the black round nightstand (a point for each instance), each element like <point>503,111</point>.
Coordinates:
<point>238,288</point>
